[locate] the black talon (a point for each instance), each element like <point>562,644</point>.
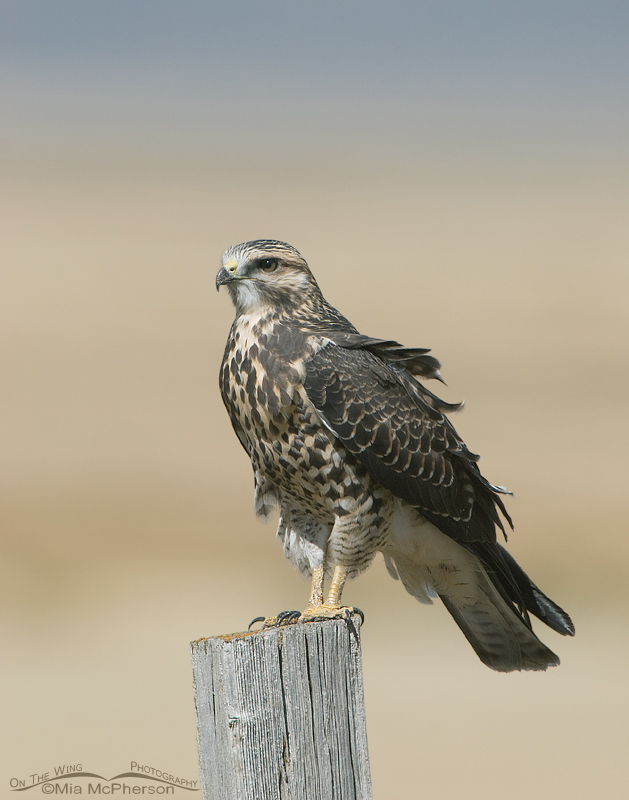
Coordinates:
<point>253,621</point>
<point>287,617</point>
<point>350,622</point>
<point>360,614</point>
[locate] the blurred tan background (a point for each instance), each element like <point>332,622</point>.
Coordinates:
<point>456,175</point>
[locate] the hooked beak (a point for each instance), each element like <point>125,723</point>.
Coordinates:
<point>226,273</point>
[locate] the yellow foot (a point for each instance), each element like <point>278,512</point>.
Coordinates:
<point>283,618</point>
<point>311,614</point>
<point>326,611</point>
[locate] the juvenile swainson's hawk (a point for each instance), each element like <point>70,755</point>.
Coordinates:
<point>358,456</point>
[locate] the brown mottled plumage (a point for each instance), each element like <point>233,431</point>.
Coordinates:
<point>359,457</point>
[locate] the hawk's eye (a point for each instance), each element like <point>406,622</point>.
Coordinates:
<point>267,264</point>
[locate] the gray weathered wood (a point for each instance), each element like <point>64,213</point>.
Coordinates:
<point>280,714</point>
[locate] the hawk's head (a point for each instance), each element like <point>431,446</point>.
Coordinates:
<point>266,273</point>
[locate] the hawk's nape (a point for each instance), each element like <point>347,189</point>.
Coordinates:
<point>358,456</point>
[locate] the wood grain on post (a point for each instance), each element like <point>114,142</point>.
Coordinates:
<point>280,714</point>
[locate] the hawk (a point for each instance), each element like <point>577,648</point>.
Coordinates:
<point>358,456</point>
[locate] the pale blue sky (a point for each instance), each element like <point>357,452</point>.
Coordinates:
<point>276,69</point>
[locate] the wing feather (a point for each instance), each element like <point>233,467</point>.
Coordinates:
<point>399,431</point>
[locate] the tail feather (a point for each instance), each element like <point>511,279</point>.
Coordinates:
<point>501,640</point>
<point>485,591</point>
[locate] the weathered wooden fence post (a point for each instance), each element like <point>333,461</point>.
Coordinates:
<point>280,714</point>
